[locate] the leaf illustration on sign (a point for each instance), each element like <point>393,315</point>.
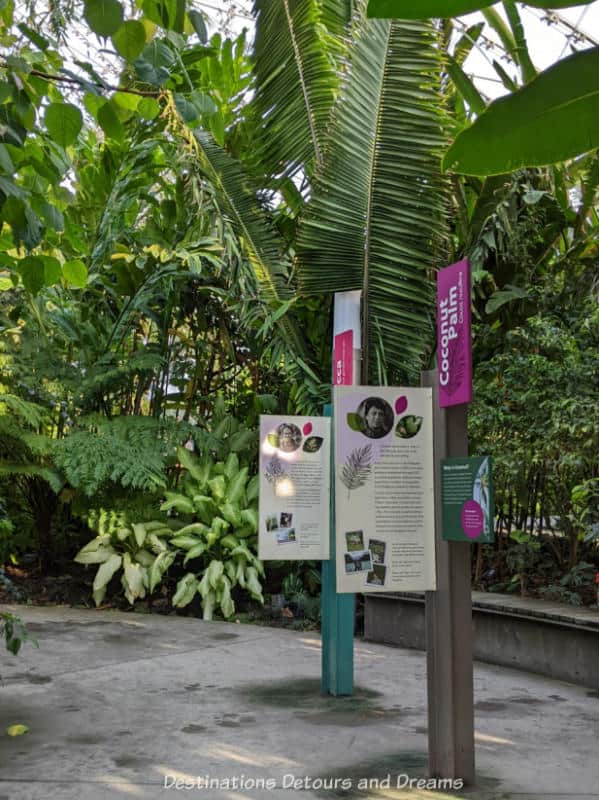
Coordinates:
<point>407,427</point>
<point>307,429</point>
<point>312,444</point>
<point>356,469</point>
<point>274,470</point>
<point>401,404</point>
<point>355,422</point>
<point>273,439</point>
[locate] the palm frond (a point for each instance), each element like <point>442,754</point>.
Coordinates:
<point>375,221</point>
<point>261,244</point>
<point>296,81</point>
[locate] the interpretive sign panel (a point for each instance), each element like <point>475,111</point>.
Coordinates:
<point>454,345</point>
<point>467,499</point>
<point>294,488</point>
<point>384,503</point>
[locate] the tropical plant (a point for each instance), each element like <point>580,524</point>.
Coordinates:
<point>218,502</point>
<point>532,126</point>
<point>375,220</point>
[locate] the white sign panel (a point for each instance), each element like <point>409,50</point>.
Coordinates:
<point>384,496</point>
<point>294,488</point>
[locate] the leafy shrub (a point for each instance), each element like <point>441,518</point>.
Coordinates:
<point>216,531</point>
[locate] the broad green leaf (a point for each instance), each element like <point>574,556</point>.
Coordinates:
<point>6,163</point>
<point>52,270</point>
<point>534,126</point>
<point>236,486</point>
<point>155,63</point>
<point>198,470</point>
<point>186,589</point>
<point>144,557</point>
<point>169,14</point>
<point>253,488</point>
<point>110,123</point>
<point>195,527</point>
<point>199,25</point>
<point>195,551</point>
<point>230,542</point>
<point>421,9</point>
<point>250,515</point>
<point>179,501</point>
<point>148,108</point>
<point>208,603</point>
<point>39,41</point>
<point>75,273</point>
<point>133,579</point>
<point>130,39</point>
<point>139,533</point>
<point>253,584</point>
<point>502,297</point>
<point>231,466</point>
<point>104,17</point>
<point>63,122</point>
<point>99,595</point>
<point>214,571</point>
<point>157,544</point>
<point>106,571</point>
<point>93,103</point>
<point>185,542</point>
<point>98,556</point>
<point>217,487</point>
<point>31,270</point>
<point>161,563</point>
<point>465,86</point>
<point>230,512</point>
<point>227,606</point>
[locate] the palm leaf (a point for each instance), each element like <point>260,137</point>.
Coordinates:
<point>295,69</point>
<point>261,244</point>
<point>375,220</point>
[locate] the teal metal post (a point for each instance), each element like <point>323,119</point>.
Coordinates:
<point>337,623</point>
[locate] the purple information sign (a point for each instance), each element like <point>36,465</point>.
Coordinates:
<point>454,346</point>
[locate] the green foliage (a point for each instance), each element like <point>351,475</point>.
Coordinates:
<point>367,226</point>
<point>215,532</point>
<point>512,132</point>
<point>130,451</point>
<point>407,9</point>
<point>219,501</point>
<point>14,631</point>
<point>296,82</point>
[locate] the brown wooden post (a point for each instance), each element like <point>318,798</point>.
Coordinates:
<point>449,620</point>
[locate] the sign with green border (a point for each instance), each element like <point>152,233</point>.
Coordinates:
<point>467,499</point>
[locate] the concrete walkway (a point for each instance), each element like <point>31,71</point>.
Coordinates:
<point>118,703</point>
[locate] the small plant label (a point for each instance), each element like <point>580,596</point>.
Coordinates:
<point>467,499</point>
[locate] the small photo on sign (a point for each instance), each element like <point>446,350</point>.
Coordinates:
<point>271,523</point>
<point>376,417</point>
<point>357,561</point>
<point>286,519</point>
<point>285,537</point>
<point>289,437</point>
<point>376,577</point>
<point>354,540</point>
<point>377,548</point>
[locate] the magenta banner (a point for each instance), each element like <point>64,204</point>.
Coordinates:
<point>454,343</point>
<point>343,359</point>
